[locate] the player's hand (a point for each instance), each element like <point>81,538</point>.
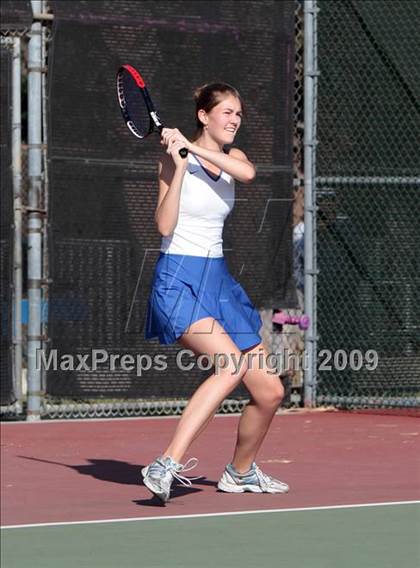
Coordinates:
<point>173,149</point>
<point>173,134</point>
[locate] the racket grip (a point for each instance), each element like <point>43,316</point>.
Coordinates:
<point>183,152</point>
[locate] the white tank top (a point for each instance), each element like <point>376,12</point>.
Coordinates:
<point>205,202</point>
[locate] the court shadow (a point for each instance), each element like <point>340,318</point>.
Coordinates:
<point>113,471</point>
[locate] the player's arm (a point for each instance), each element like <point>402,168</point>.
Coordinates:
<point>235,163</point>
<point>170,182</point>
<point>170,176</point>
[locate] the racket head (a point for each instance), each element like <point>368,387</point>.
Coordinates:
<point>134,101</point>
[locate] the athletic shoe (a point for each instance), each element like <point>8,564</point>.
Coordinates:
<point>253,480</point>
<point>159,475</point>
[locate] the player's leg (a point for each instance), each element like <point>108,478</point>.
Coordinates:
<point>266,391</point>
<point>206,336</point>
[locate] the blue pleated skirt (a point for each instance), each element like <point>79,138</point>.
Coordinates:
<point>188,288</point>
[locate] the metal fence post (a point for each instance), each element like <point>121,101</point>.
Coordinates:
<point>47,18</point>
<point>34,215</point>
<point>310,72</point>
<point>17,221</point>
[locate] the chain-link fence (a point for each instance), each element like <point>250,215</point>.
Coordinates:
<point>15,22</point>
<point>367,194</point>
<point>287,341</point>
<point>368,198</point>
<point>74,404</point>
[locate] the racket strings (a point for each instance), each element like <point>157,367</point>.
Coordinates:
<point>137,113</point>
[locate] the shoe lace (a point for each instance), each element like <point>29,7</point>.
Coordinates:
<point>266,479</point>
<point>175,470</point>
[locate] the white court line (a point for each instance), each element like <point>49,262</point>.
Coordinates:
<point>205,515</point>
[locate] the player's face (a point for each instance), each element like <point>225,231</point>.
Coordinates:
<point>224,120</point>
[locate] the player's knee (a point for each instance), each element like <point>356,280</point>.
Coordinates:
<point>231,367</point>
<point>277,393</point>
<point>271,395</point>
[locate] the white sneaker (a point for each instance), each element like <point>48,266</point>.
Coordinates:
<point>254,480</point>
<point>159,475</point>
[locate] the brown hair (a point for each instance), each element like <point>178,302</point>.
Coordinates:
<point>208,96</point>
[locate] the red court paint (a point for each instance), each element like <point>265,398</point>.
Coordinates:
<point>76,471</point>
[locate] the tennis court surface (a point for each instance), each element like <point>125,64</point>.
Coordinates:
<point>72,495</point>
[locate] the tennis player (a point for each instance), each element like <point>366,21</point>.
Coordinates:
<point>196,302</point>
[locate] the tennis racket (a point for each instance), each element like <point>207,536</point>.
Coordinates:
<point>136,105</point>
